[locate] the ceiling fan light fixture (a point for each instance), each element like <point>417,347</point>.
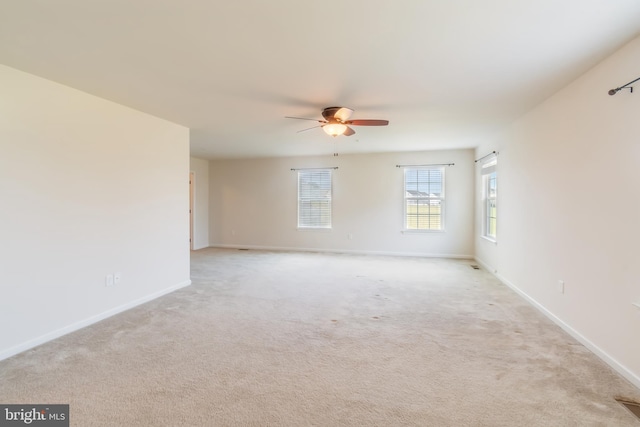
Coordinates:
<point>343,114</point>
<point>334,129</point>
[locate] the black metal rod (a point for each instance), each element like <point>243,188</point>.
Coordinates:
<point>484,157</point>
<point>614,91</point>
<point>309,169</point>
<point>417,166</point>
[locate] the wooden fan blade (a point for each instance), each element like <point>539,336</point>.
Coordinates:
<point>304,130</point>
<point>366,122</point>
<point>349,131</point>
<point>305,118</point>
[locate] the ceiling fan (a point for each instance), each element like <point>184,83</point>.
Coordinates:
<point>336,121</point>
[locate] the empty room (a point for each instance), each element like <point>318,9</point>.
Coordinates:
<point>333,213</point>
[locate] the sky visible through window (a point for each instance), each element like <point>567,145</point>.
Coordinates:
<point>424,182</point>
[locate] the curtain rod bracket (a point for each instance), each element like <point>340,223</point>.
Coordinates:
<point>616,90</point>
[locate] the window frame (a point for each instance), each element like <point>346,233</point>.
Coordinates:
<point>441,199</point>
<point>327,198</point>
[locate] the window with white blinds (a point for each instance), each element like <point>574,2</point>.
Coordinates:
<point>490,193</point>
<point>424,198</point>
<point>314,198</point>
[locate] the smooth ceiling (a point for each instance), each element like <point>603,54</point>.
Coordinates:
<point>446,74</point>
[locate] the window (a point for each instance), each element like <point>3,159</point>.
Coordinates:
<point>424,199</point>
<point>490,192</point>
<point>314,198</point>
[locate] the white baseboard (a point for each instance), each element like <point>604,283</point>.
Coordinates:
<point>486,266</point>
<point>341,251</point>
<point>4,354</point>
<point>613,363</point>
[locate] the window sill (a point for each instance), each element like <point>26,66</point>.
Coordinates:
<point>317,229</point>
<point>489,239</point>
<point>406,231</point>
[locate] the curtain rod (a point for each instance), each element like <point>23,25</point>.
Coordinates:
<point>614,91</point>
<point>416,166</point>
<point>309,169</point>
<point>484,157</point>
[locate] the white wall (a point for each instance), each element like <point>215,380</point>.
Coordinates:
<point>88,188</point>
<point>254,204</point>
<point>569,209</point>
<point>200,169</point>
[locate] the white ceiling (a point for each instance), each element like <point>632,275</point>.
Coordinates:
<point>445,73</point>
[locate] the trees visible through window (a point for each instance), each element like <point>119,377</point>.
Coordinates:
<point>424,198</point>
<point>314,198</point>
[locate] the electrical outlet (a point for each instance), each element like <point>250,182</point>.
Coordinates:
<point>108,280</point>
<point>117,278</point>
<point>561,286</point>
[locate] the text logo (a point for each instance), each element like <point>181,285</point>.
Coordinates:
<point>34,415</point>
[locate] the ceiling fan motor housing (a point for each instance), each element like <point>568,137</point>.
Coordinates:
<point>343,113</point>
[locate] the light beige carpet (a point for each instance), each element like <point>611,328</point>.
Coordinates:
<point>296,339</point>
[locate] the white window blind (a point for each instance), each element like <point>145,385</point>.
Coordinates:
<point>314,198</point>
<point>424,198</point>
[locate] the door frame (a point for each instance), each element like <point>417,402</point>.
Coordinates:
<point>192,183</point>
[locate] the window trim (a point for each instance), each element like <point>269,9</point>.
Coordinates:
<point>441,198</point>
